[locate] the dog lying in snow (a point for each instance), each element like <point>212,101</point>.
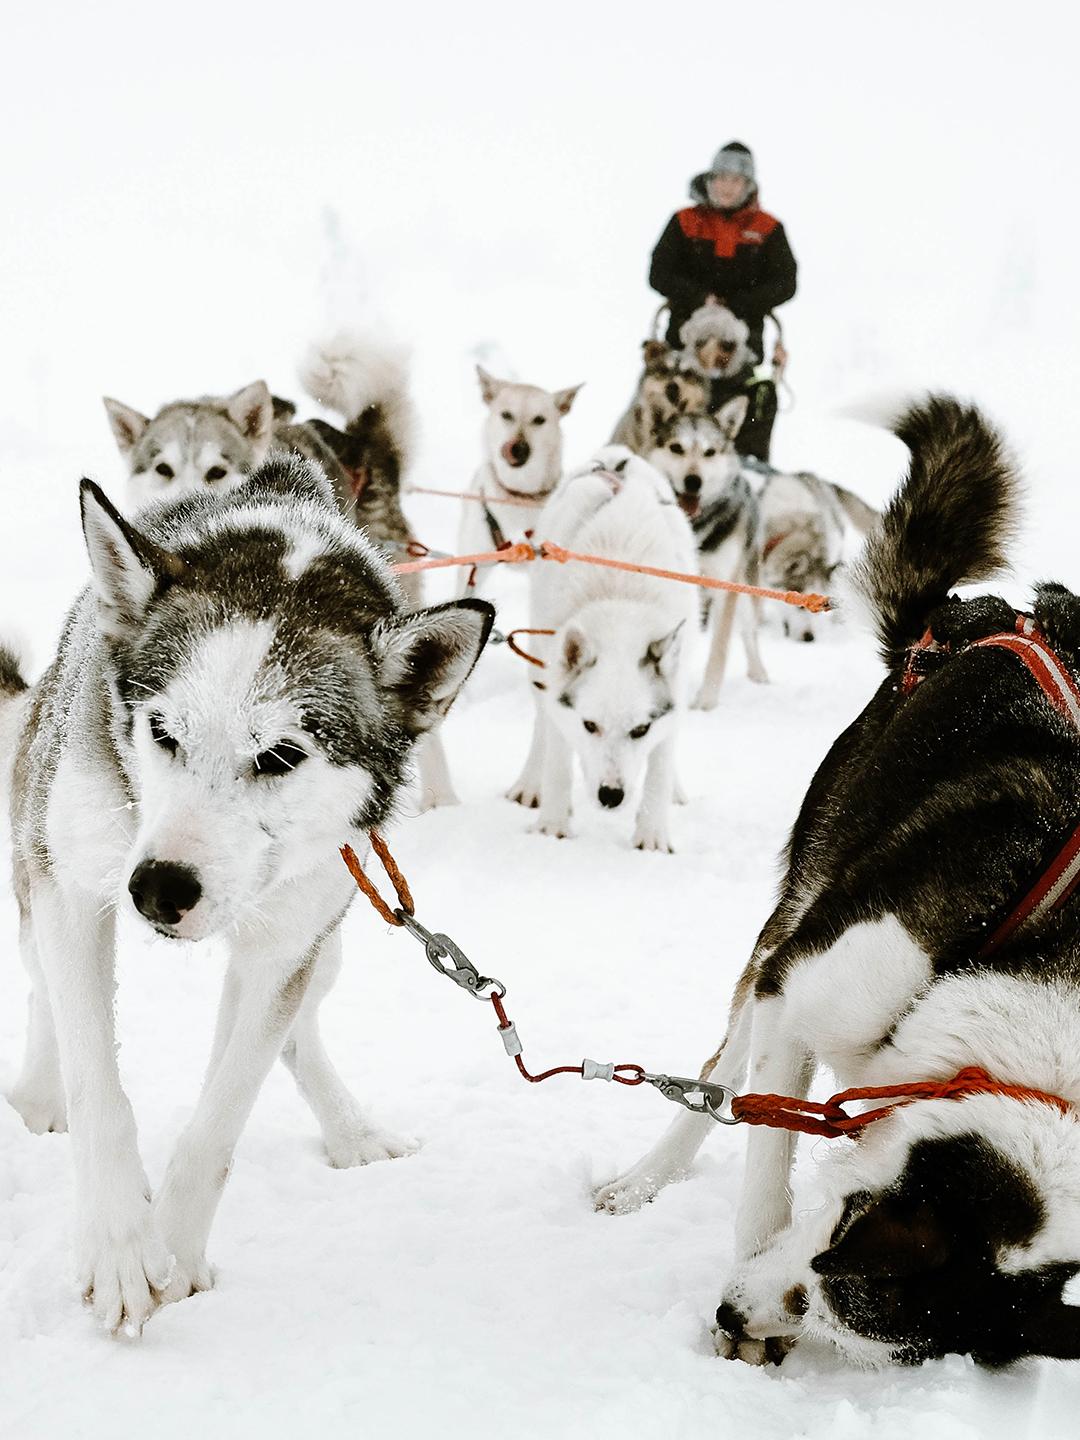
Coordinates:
<point>697,454</point>
<point>802,536</point>
<point>522,461</point>
<point>666,388</point>
<point>235,695</point>
<point>953,1224</point>
<point>611,691</point>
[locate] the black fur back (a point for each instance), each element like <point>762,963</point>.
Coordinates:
<point>950,523</point>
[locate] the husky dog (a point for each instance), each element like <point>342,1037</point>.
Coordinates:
<point>235,695</point>
<point>802,536</point>
<point>522,461</point>
<point>954,1224</point>
<point>697,454</point>
<point>667,387</point>
<point>612,686</point>
<point>714,344</point>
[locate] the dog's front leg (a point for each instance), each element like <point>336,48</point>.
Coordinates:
<point>651,831</point>
<point>557,784</point>
<point>526,789</point>
<point>723,617</point>
<point>122,1263</point>
<point>267,994</point>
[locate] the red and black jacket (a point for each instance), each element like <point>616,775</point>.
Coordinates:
<point>741,256</point>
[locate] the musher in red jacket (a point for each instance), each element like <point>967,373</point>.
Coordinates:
<point>726,248</point>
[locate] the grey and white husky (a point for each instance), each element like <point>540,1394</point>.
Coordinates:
<point>522,461</point>
<point>697,454</point>
<point>612,688</point>
<point>236,693</point>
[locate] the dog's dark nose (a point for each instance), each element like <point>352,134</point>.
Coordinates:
<point>692,484</point>
<point>610,796</point>
<point>519,452</point>
<point>671,390</point>
<point>164,892</point>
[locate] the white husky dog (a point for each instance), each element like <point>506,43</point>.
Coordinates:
<point>697,454</point>
<point>522,461</point>
<point>612,686</point>
<point>235,695</point>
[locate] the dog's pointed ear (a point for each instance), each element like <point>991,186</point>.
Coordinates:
<point>128,426</point>
<point>653,350</point>
<point>662,655</point>
<point>564,399</point>
<point>489,385</point>
<point>576,652</point>
<point>127,567</point>
<point>893,1238</point>
<point>730,417</point>
<point>251,410</point>
<point>423,659</point>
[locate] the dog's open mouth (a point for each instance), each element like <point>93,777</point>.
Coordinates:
<point>689,504</point>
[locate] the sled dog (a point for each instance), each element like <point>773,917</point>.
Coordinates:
<point>666,388</point>
<point>714,345</point>
<point>522,462</point>
<point>611,689</point>
<point>697,454</point>
<point>235,694</point>
<point>899,952</point>
<point>802,536</point>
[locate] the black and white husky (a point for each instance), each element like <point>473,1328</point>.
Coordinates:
<point>954,1224</point>
<point>236,694</point>
<point>697,454</point>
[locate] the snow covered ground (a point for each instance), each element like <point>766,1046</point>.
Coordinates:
<point>186,203</point>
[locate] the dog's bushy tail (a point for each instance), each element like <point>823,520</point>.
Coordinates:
<point>366,381</point>
<point>949,524</point>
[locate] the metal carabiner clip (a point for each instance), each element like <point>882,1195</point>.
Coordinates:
<point>463,972</point>
<point>701,1097</point>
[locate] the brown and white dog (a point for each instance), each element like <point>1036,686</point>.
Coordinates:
<point>522,461</point>
<point>666,387</point>
<point>937,819</point>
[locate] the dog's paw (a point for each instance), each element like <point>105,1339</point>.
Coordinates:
<point>758,674</point>
<point>653,837</point>
<point>525,793</point>
<point>124,1270</point>
<point>705,700</point>
<point>42,1114</point>
<point>188,1275</point>
<point>733,1342</point>
<point>435,800</point>
<point>365,1147</point>
<point>558,827</point>
<point>638,1187</point>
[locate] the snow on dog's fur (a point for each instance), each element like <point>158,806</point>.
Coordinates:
<point>235,695</point>
<point>611,691</point>
<point>952,1225</point>
<point>522,460</point>
<point>697,454</point>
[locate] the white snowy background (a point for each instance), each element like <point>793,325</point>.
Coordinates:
<point>188,198</point>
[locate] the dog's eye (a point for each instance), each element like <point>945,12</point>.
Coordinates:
<point>709,454</point>
<point>591,727</point>
<point>676,448</point>
<point>216,472</point>
<point>280,760</point>
<point>640,731</point>
<point>620,467</point>
<point>161,736</point>
<point>165,471</point>
<point>539,419</point>
<point>506,415</point>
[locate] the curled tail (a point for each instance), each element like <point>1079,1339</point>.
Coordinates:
<point>367,383</point>
<point>949,524</point>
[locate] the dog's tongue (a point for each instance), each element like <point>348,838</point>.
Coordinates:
<point>689,505</point>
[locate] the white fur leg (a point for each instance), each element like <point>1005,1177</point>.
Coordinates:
<point>765,1298</point>
<point>526,788</point>
<point>122,1263</point>
<point>38,1094</point>
<point>436,787</point>
<point>652,831</point>
<point>672,1157</point>
<point>556,786</point>
<point>749,626</point>
<point>349,1137</point>
<point>268,993</point>
<point>723,617</point>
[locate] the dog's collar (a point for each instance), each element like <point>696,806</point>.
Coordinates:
<point>1060,878</point>
<point>533,495</point>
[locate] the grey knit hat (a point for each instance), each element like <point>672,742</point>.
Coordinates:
<point>734,159</point>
